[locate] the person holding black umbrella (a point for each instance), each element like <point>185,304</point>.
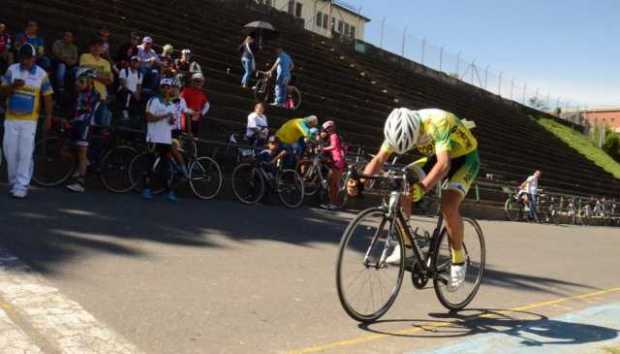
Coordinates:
<point>247,49</point>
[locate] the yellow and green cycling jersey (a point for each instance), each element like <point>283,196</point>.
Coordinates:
<point>443,131</point>
<point>293,130</point>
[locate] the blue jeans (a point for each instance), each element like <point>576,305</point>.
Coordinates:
<point>61,73</point>
<point>282,89</point>
<point>533,201</point>
<point>248,67</point>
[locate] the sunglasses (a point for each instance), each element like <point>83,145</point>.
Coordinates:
<point>165,86</point>
<point>83,80</point>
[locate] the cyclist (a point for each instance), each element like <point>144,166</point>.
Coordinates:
<point>273,154</point>
<point>452,152</point>
<point>181,113</point>
<point>160,123</point>
<point>88,100</point>
<point>528,193</point>
<point>338,162</point>
<point>293,134</point>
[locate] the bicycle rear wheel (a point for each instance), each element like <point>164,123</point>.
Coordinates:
<point>312,180</point>
<point>475,258</point>
<point>290,188</point>
<point>114,169</point>
<point>205,178</point>
<point>295,96</point>
<point>367,285</point>
<point>54,162</point>
<point>248,183</point>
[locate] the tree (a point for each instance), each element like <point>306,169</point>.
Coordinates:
<point>612,145</point>
<point>537,103</point>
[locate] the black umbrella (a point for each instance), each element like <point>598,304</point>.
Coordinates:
<point>262,29</point>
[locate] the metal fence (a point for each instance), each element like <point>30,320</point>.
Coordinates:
<point>458,65</point>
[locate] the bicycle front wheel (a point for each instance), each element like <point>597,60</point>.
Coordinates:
<point>290,188</point>
<point>114,171</point>
<point>248,183</point>
<point>205,178</point>
<point>54,162</point>
<point>139,169</point>
<point>475,258</point>
<point>368,285</point>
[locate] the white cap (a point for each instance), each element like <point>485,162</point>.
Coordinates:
<point>198,76</point>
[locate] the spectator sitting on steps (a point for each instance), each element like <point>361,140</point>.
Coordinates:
<point>65,58</point>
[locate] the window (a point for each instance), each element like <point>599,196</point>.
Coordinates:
<point>340,26</point>
<point>333,23</point>
<point>346,29</point>
<point>319,19</point>
<point>291,6</point>
<point>325,20</point>
<point>352,31</point>
<point>298,8</point>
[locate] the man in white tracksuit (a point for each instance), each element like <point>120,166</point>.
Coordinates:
<point>23,85</point>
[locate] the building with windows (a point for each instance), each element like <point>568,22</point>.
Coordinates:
<point>325,17</point>
<point>603,116</point>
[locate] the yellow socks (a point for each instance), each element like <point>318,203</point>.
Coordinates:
<point>458,257</point>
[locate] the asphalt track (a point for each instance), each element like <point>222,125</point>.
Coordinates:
<point>219,277</point>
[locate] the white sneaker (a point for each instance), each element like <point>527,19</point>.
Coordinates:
<point>457,276</point>
<point>19,194</point>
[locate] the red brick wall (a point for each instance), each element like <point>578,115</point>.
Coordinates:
<point>608,118</point>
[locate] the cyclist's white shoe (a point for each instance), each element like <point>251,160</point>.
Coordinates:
<point>394,257</point>
<point>457,276</point>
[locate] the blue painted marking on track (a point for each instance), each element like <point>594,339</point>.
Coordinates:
<point>579,332</point>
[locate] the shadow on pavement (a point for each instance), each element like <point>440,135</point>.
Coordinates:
<point>533,329</point>
<point>53,226</point>
<point>517,281</point>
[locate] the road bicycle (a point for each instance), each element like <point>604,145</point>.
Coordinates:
<point>515,207</point>
<point>368,285</point>
<point>55,158</point>
<point>252,180</point>
<point>204,174</point>
<point>264,91</point>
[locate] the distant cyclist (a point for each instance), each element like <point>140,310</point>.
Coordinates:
<point>528,193</point>
<point>294,133</point>
<point>452,153</point>
<point>338,163</point>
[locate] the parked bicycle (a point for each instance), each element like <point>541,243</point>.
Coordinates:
<point>252,180</point>
<point>204,174</point>
<point>55,159</point>
<point>264,91</point>
<point>368,285</point>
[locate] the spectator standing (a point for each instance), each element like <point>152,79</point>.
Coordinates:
<point>23,84</point>
<point>94,60</point>
<point>247,49</point>
<point>65,54</point>
<point>283,67</point>
<point>6,54</point>
<point>30,35</point>
<point>530,188</point>
<point>88,100</point>
<point>128,51</point>
<point>338,162</point>
<point>197,102</point>
<point>257,130</point>
<point>149,65</point>
<point>130,88</point>
<point>160,123</point>
<point>186,66</point>
<point>104,35</point>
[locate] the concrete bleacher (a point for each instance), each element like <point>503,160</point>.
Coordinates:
<point>356,90</point>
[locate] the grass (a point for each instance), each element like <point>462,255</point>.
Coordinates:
<point>610,350</point>
<point>583,145</point>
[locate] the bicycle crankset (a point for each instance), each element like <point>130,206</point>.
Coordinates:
<point>419,278</point>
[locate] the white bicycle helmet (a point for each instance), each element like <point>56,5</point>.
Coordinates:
<point>402,129</point>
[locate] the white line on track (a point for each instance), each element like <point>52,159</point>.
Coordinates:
<point>59,322</point>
